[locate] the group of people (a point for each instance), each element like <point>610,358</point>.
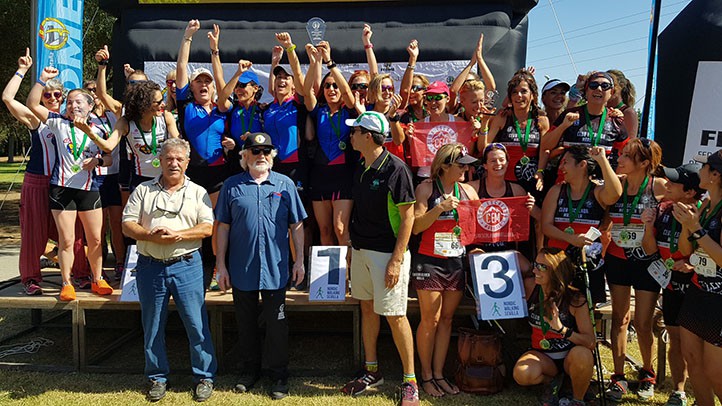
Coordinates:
<point>207,181</point>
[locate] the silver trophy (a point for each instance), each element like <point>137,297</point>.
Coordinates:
<point>316,29</point>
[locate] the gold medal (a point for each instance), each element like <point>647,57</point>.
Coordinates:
<point>669,263</point>
<point>155,162</point>
<point>75,168</point>
<point>569,230</point>
<point>524,160</point>
<point>342,145</point>
<point>544,344</point>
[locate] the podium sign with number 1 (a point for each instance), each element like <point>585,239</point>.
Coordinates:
<point>328,274</point>
<point>498,285</point>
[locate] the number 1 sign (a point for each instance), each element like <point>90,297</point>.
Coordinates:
<point>328,274</point>
<point>498,285</point>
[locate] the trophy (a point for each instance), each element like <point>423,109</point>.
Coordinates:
<point>316,29</point>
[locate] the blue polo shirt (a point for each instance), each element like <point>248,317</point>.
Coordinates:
<point>259,217</point>
<point>284,122</point>
<point>202,130</point>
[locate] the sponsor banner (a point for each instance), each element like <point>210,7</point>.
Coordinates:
<point>429,137</point>
<point>494,220</point>
<point>59,40</point>
<point>704,131</point>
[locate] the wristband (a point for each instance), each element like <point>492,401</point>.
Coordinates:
<point>540,170</point>
<point>100,161</point>
<point>395,118</point>
<point>215,52</point>
<point>291,48</point>
<point>41,83</point>
<point>369,46</point>
<point>697,235</point>
<point>189,39</point>
<point>568,333</point>
<point>410,67</point>
<point>104,62</point>
<point>331,64</point>
<point>20,74</point>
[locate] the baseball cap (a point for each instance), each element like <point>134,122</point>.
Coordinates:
<point>687,175</point>
<point>200,71</point>
<point>437,87</point>
<point>371,121</point>
<point>554,83</point>
<point>247,77</point>
<point>258,140</point>
<point>463,158</point>
<point>713,160</point>
<point>278,69</point>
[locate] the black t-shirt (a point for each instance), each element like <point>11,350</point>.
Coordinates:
<point>613,138</point>
<point>377,192</point>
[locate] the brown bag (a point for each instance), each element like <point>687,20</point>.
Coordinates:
<point>479,368</point>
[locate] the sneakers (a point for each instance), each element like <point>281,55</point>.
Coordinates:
<point>409,394</point>
<point>203,391</point>
<point>118,275</point>
<point>156,391</point>
<point>83,283</point>
<point>67,293</point>
<point>32,288</point>
<point>677,399</point>
<point>363,382</point>
<point>279,390</point>
<point>48,263</point>
<point>550,397</point>
<point>647,380</point>
<point>246,383</point>
<point>101,287</point>
<point>617,388</point>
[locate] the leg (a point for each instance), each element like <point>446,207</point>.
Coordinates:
<point>342,219</point>
<point>693,353</point>
<point>645,303</point>
<point>81,268</point>
<point>247,310</point>
<point>370,325</point>
<point>276,345</point>
<point>712,362</point>
<point>449,303</point>
<point>534,368</point>
<point>92,224</point>
<point>65,221</point>
<point>323,211</point>
<point>430,306</point>
<point>677,366</point>
<point>579,365</point>
<point>620,322</point>
<point>153,295</point>
<point>404,340</point>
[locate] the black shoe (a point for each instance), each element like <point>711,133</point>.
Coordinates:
<point>204,390</point>
<point>279,390</point>
<point>156,391</point>
<point>246,383</point>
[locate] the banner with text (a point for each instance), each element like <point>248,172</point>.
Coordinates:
<point>504,219</point>
<point>429,137</point>
<point>704,131</point>
<point>60,40</point>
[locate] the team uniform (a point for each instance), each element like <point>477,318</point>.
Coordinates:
<point>242,120</point>
<point>107,176</point>
<point>285,122</point>
<point>523,150</point>
<point>331,170</point>
<point>484,194</point>
<point>146,161</point>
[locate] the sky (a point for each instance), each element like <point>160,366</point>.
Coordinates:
<point>611,34</point>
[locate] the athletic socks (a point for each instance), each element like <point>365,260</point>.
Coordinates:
<point>411,378</point>
<point>372,366</point>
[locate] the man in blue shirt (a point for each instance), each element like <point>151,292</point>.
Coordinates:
<point>255,210</point>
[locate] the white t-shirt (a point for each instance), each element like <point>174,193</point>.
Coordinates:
<point>107,123</point>
<point>68,171</point>
<point>140,143</point>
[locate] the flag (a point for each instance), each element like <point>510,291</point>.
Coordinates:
<point>59,36</point>
<point>429,137</point>
<point>494,220</point>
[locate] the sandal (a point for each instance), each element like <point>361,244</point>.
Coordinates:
<point>440,392</point>
<point>453,389</point>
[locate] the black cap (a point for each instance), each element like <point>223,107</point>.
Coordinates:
<point>463,158</point>
<point>714,160</point>
<point>687,175</point>
<point>278,69</point>
<point>258,140</point>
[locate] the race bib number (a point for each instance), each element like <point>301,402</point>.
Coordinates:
<point>629,236</point>
<point>703,264</point>
<point>448,245</point>
<point>660,272</point>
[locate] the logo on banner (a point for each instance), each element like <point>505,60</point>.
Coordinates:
<point>53,33</point>
<point>440,136</point>
<point>493,215</point>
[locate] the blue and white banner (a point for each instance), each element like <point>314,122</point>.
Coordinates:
<point>60,39</point>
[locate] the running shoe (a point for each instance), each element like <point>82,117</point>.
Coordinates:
<point>101,287</point>
<point>617,388</point>
<point>677,399</point>
<point>363,382</point>
<point>119,270</point>
<point>67,293</point>
<point>647,380</point>
<point>32,288</point>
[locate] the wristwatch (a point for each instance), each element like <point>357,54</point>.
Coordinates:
<point>697,235</point>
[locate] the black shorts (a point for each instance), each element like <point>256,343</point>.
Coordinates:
<point>136,180</point>
<point>630,272</point>
<point>65,198</point>
<point>331,182</point>
<point>298,173</point>
<point>700,314</point>
<point>671,305</point>
<point>438,274</point>
<point>125,166</point>
<point>109,190</point>
<point>210,178</point>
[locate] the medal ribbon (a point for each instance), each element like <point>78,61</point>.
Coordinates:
<point>153,141</point>
<point>336,127</point>
<point>524,142</point>
<point>543,323</point>
<point>673,238</point>
<point>703,217</point>
<point>456,194</point>
<point>77,151</point>
<point>246,123</point>
<point>598,136</point>
<point>574,212</point>
<point>627,214</point>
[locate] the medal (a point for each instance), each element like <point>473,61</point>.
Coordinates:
<point>524,160</point>
<point>341,145</point>
<point>544,344</point>
<point>624,235</point>
<point>155,162</point>
<point>569,230</point>
<point>669,263</point>
<point>457,231</point>
<point>75,168</point>
<point>575,211</point>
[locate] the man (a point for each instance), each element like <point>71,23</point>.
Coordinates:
<point>255,209</point>
<point>168,217</point>
<point>381,223</point>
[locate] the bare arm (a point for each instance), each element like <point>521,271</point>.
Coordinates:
<point>313,77</point>
<point>298,265</point>
<point>184,52</point>
<point>36,91</point>
<point>609,193</point>
<point>276,55</point>
<point>343,87</point>
<point>214,39</point>
<point>171,125</point>
<point>649,241</point>
<point>21,112</point>
<point>369,48</point>
<point>284,39</point>
<point>423,217</point>
<point>393,268</point>
<point>135,231</point>
<point>552,137</point>
<point>408,79</point>
<point>496,125</point>
<point>484,70</point>
<point>631,122</point>
<point>120,129</point>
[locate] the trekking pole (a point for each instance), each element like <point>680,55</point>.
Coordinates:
<point>590,305</point>
<point>12,182</point>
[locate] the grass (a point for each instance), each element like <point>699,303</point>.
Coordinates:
<point>11,173</point>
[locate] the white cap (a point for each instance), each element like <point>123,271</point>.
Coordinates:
<point>200,71</point>
<point>372,121</point>
<point>554,83</point>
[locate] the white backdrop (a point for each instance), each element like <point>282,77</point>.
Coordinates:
<point>704,131</point>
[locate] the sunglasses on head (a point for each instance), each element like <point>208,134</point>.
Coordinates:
<point>418,88</point>
<point>604,85</point>
<point>91,89</point>
<point>328,85</point>
<point>57,95</point>
<point>494,145</point>
<point>257,151</point>
<point>540,267</point>
<point>645,142</point>
<point>133,82</point>
<point>170,82</point>
<point>435,97</point>
<point>359,86</point>
<point>389,88</point>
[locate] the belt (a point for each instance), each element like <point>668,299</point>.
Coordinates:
<point>173,260</point>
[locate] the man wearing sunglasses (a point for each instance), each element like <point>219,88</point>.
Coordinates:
<point>255,211</point>
<point>168,217</point>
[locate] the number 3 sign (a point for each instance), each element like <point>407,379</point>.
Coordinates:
<point>498,285</point>
<point>328,274</point>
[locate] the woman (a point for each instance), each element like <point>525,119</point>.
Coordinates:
<point>522,131</point>
<point>472,97</point>
<point>575,206</point>
<point>624,99</point>
<point>359,84</point>
<point>700,317</point>
<point>332,168</point>
<point>73,193</point>
<point>169,92</point>
<point>562,331</point>
<point>626,262</point>
<point>554,98</point>
<point>382,99</point>
<point>435,100</point>
<point>465,75</point>
<point>438,267</point>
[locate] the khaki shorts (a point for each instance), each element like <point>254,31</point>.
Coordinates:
<point>368,281</point>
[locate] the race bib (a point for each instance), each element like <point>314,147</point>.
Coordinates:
<point>703,263</point>
<point>629,236</point>
<point>660,272</point>
<point>448,245</point>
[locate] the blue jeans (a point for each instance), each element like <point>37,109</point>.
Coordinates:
<point>184,280</point>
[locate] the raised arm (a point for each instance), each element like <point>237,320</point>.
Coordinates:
<point>484,70</point>
<point>609,193</point>
<point>36,91</point>
<point>181,77</point>
<point>225,92</point>
<point>21,112</point>
<point>313,76</point>
<point>276,55</point>
<point>284,39</point>
<point>346,95</point>
<point>408,79</point>
<point>101,90</point>
<point>214,38</point>
<point>369,48</point>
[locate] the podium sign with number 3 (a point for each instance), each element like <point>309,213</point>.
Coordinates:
<point>498,286</point>
<point>328,274</point>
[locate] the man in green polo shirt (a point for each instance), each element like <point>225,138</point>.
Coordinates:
<point>381,223</point>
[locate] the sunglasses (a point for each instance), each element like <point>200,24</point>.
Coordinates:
<point>243,85</point>
<point>435,97</point>
<point>359,86</point>
<point>330,85</point>
<point>91,89</point>
<point>170,82</point>
<point>540,267</point>
<point>57,95</point>
<point>387,88</point>
<point>158,101</point>
<point>494,145</point>
<point>604,85</point>
<point>258,151</point>
<point>418,88</point>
